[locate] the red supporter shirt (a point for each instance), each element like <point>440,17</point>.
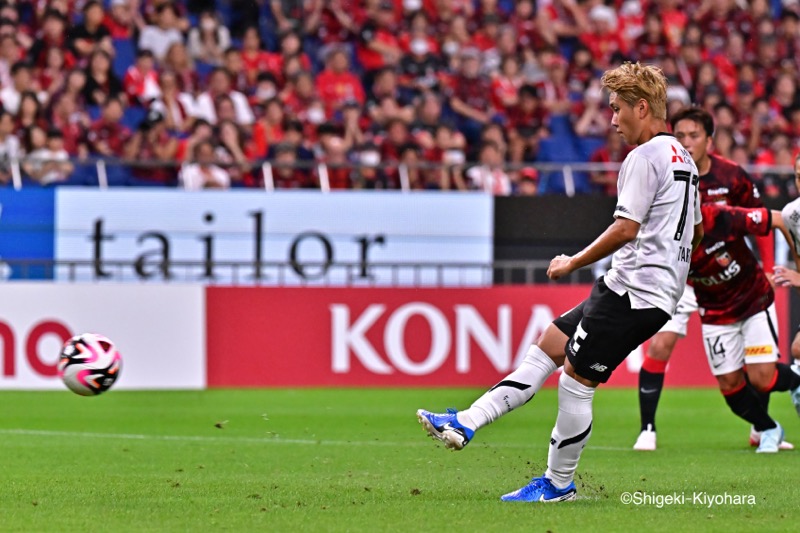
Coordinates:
<point>117,30</point>
<point>520,119</point>
<point>335,89</point>
<point>260,61</point>
<point>603,47</point>
<point>370,59</point>
<point>73,134</point>
<point>115,135</point>
<point>503,88</point>
<point>474,92</point>
<point>729,283</point>
<point>265,135</point>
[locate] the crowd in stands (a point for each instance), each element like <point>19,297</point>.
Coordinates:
<point>461,94</point>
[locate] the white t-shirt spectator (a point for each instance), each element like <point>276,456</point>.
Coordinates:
<point>9,148</point>
<point>158,40</point>
<point>197,49</point>
<point>204,108</point>
<point>180,111</point>
<point>493,181</point>
<point>36,160</point>
<point>194,178</point>
<point>10,98</point>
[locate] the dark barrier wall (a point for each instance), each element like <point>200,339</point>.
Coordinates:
<point>544,226</point>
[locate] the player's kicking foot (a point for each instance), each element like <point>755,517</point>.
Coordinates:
<point>755,440</point>
<point>646,441</point>
<point>541,489</point>
<point>796,392</point>
<point>446,428</point>
<point>771,440</point>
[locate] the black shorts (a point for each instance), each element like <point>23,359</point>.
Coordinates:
<point>603,330</point>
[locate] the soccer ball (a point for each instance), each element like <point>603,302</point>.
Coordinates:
<point>89,364</point>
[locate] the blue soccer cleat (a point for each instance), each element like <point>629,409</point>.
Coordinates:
<point>541,489</point>
<point>446,428</point>
<point>771,440</point>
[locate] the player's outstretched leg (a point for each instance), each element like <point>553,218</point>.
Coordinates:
<point>783,378</point>
<point>743,400</point>
<point>456,428</point>
<point>570,434</point>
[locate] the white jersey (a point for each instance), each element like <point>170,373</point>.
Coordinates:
<point>791,219</point>
<point>657,187</point>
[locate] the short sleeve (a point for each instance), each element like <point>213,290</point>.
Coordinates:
<point>791,219</point>
<point>637,186</point>
<point>698,212</point>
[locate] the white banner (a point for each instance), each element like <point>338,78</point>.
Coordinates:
<point>309,231</point>
<point>158,330</point>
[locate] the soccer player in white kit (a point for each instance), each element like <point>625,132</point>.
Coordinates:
<point>784,276</point>
<point>657,225</point>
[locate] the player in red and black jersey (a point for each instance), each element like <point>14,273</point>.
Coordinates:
<point>721,182</point>
<point>728,281</point>
<point>737,312</point>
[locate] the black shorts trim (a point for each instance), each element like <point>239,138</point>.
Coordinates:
<point>604,329</point>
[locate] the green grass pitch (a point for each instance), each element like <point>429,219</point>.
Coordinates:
<point>356,460</point>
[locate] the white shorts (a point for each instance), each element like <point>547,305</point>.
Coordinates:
<point>680,320</point>
<point>751,341</point>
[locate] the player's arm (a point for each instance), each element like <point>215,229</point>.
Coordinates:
<point>621,232</point>
<point>747,192</point>
<point>786,277</point>
<point>777,223</point>
<point>697,236</point>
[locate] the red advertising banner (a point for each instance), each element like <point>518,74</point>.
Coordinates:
<point>259,337</point>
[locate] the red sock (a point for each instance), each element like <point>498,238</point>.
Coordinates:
<point>654,366</point>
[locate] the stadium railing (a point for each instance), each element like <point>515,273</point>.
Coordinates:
<point>331,274</point>
<point>569,178</point>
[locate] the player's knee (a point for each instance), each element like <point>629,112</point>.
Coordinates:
<point>796,347</point>
<point>761,378</point>
<point>660,347</point>
<point>730,383</point>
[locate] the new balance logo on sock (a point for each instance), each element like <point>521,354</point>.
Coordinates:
<point>599,367</point>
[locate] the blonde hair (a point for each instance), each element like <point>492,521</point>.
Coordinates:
<point>634,81</point>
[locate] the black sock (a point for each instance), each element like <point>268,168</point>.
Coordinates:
<point>787,379</point>
<point>650,385</point>
<point>763,397</point>
<point>746,404</point>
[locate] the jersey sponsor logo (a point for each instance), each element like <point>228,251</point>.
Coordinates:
<point>684,254</point>
<point>751,351</point>
<point>731,271</point>
<point>716,246</point>
<point>724,259</point>
<point>719,191</point>
<point>795,216</point>
<point>682,157</point>
<point>755,216</point>
<point>623,209</point>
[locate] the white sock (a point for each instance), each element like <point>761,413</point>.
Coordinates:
<point>516,389</point>
<point>571,432</point>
